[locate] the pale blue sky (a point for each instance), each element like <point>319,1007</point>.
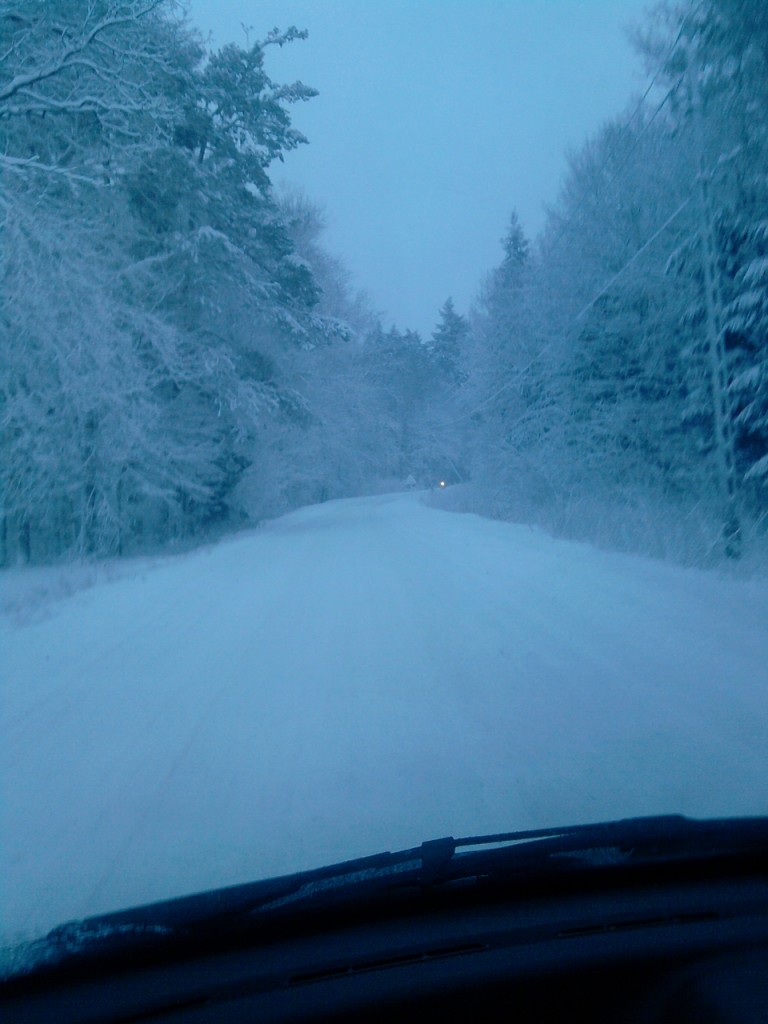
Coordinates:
<point>435,119</point>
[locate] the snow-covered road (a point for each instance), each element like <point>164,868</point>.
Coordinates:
<point>360,676</point>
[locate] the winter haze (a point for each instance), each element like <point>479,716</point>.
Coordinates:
<point>384,430</point>
<point>434,118</point>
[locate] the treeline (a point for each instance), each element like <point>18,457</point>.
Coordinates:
<point>615,372</point>
<point>180,354</point>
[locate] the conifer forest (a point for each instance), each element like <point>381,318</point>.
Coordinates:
<point>183,357</point>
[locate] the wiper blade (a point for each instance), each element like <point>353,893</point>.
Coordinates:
<point>437,862</point>
<point>503,857</point>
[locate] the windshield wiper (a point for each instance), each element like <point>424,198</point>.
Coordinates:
<point>436,863</point>
<point>536,852</point>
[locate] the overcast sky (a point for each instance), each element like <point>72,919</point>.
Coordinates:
<point>435,119</point>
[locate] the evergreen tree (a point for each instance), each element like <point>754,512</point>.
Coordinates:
<point>447,343</point>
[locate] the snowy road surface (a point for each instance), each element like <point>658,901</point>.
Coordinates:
<point>360,676</point>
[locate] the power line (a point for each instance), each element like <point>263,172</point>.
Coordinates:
<point>611,152</point>
<point>617,170</point>
<point>629,263</point>
<point>613,177</point>
<point>605,288</point>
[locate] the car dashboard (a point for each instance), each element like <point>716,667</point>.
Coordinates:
<point>645,946</point>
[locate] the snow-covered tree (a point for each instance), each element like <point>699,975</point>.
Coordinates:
<point>720,59</point>
<point>81,81</point>
<point>150,284</point>
<point>447,343</point>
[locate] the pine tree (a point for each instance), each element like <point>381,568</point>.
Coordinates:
<point>447,344</point>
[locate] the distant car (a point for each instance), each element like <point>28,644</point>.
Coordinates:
<point>646,920</point>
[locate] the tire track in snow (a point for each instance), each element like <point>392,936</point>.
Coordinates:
<point>363,675</point>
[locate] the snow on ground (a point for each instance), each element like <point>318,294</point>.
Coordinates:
<point>355,677</point>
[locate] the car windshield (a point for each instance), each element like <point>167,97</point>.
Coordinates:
<point>385,431</point>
